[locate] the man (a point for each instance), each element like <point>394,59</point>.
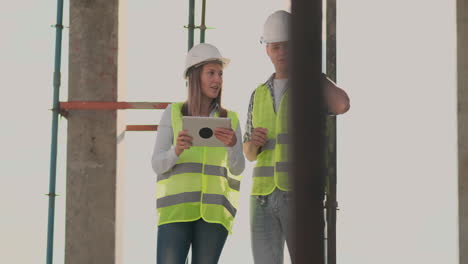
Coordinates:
<point>266,139</point>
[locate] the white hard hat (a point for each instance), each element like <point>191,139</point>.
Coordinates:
<point>203,53</point>
<point>276,27</point>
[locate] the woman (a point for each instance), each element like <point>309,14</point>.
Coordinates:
<point>197,187</point>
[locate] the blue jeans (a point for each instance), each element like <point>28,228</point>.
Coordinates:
<point>174,241</point>
<point>269,217</point>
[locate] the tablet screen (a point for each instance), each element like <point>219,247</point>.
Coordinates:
<point>201,129</point>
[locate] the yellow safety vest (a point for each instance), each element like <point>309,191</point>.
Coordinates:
<point>200,184</point>
<point>271,169</point>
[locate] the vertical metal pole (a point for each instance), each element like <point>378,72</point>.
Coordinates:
<point>308,141</point>
<point>191,23</point>
<point>203,26</point>
<point>331,203</point>
<point>191,29</point>
<point>462,122</point>
<point>53,144</point>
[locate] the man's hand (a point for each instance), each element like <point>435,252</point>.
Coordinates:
<point>184,141</point>
<point>226,135</point>
<point>257,140</point>
<point>259,136</point>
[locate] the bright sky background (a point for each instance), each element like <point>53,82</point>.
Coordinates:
<point>397,146</point>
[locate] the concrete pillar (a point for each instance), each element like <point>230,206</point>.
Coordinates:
<point>462,68</point>
<point>307,218</point>
<point>95,137</point>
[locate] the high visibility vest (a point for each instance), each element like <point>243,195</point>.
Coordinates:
<point>200,184</point>
<point>271,169</point>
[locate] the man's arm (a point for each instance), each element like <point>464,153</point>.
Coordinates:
<point>249,150</point>
<point>254,138</point>
<point>337,100</point>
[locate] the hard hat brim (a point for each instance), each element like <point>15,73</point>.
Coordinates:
<point>271,40</point>
<point>224,61</point>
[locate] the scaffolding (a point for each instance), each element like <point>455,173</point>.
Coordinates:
<point>302,11</point>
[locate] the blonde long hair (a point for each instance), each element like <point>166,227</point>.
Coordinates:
<point>192,107</point>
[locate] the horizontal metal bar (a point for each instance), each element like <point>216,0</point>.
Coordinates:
<point>142,128</point>
<point>96,105</point>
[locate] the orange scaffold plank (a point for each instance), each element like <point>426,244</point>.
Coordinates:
<point>142,128</point>
<point>97,105</point>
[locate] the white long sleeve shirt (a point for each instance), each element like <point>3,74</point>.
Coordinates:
<point>165,157</point>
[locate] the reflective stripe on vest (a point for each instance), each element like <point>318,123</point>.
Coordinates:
<point>192,197</point>
<point>283,139</point>
<point>271,143</point>
<point>198,168</point>
<point>270,171</point>
<point>209,198</point>
<point>264,171</point>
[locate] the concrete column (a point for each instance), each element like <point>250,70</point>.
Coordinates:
<point>462,68</point>
<point>308,121</point>
<point>95,138</point>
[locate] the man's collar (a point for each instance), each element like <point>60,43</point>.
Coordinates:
<point>269,82</point>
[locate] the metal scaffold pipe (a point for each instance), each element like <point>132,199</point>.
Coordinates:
<point>53,144</point>
<point>191,23</point>
<point>203,25</point>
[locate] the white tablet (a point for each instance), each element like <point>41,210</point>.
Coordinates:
<point>201,129</point>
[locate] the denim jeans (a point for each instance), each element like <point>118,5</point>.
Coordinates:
<point>174,241</point>
<point>269,226</point>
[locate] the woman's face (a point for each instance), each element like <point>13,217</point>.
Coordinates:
<point>211,79</point>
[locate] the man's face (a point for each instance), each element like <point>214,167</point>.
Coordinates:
<point>279,55</point>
